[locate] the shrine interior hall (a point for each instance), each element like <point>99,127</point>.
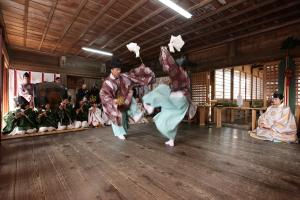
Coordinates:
<point>242,63</point>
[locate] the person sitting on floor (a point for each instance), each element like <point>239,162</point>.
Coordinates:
<point>25,89</point>
<point>65,115</point>
<point>277,123</point>
<point>82,112</point>
<point>95,116</point>
<point>47,119</point>
<point>23,120</point>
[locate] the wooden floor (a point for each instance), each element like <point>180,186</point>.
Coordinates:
<point>205,164</point>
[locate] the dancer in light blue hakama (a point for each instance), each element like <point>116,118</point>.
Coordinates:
<point>174,100</point>
<point>174,106</point>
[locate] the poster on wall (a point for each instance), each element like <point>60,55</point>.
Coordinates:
<point>36,77</point>
<point>48,77</point>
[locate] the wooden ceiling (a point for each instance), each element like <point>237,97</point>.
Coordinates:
<point>62,27</point>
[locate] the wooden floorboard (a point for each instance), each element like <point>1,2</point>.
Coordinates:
<point>206,163</point>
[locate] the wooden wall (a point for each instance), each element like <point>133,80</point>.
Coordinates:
<point>25,60</point>
<point>255,49</point>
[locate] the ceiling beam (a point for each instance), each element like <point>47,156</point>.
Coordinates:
<point>4,27</point>
<point>282,25</point>
<point>96,19</point>
<point>50,16</point>
<point>78,11</point>
<point>126,14</point>
<point>152,14</point>
<point>261,31</point>
<point>25,20</point>
<point>242,12</point>
<point>199,5</point>
<point>202,17</point>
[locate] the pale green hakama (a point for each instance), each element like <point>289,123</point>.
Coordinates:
<point>132,112</point>
<point>174,106</point>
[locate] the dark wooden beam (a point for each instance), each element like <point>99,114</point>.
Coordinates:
<point>4,32</point>
<point>153,14</point>
<point>75,16</point>
<point>50,16</point>
<point>92,23</point>
<point>25,20</point>
<point>126,14</point>
<point>266,55</point>
<point>239,23</point>
<point>261,31</point>
<point>194,21</point>
<point>201,4</point>
<point>233,15</point>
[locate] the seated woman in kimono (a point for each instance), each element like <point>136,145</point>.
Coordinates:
<point>82,112</point>
<point>47,119</point>
<point>96,117</point>
<point>65,115</point>
<point>277,123</point>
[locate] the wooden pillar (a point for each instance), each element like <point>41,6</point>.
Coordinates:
<point>253,123</point>
<point>219,117</point>
<point>232,115</point>
<point>202,115</point>
<point>264,85</point>
<point>1,82</point>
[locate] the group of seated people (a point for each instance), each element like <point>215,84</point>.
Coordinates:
<point>26,119</point>
<point>30,117</point>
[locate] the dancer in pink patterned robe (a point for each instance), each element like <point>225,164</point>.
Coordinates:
<point>116,95</point>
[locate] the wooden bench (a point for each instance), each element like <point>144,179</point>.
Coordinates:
<point>253,115</point>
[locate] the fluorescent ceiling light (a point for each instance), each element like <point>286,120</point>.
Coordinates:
<point>97,51</point>
<point>177,8</point>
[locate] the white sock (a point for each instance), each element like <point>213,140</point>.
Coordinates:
<point>84,124</point>
<point>148,108</point>
<point>51,129</point>
<point>31,130</point>
<point>43,129</point>
<point>170,142</point>
<point>77,124</point>
<point>121,137</point>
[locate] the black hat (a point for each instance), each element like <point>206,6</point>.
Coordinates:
<point>115,63</point>
<point>26,74</point>
<point>184,62</point>
<point>277,95</point>
<point>22,101</point>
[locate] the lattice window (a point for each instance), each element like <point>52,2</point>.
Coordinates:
<point>227,83</point>
<point>223,83</point>
<point>219,84</point>
<point>243,85</point>
<point>254,87</point>
<point>271,78</point>
<point>248,86</point>
<point>199,85</point>
<point>261,89</point>
<point>236,83</point>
